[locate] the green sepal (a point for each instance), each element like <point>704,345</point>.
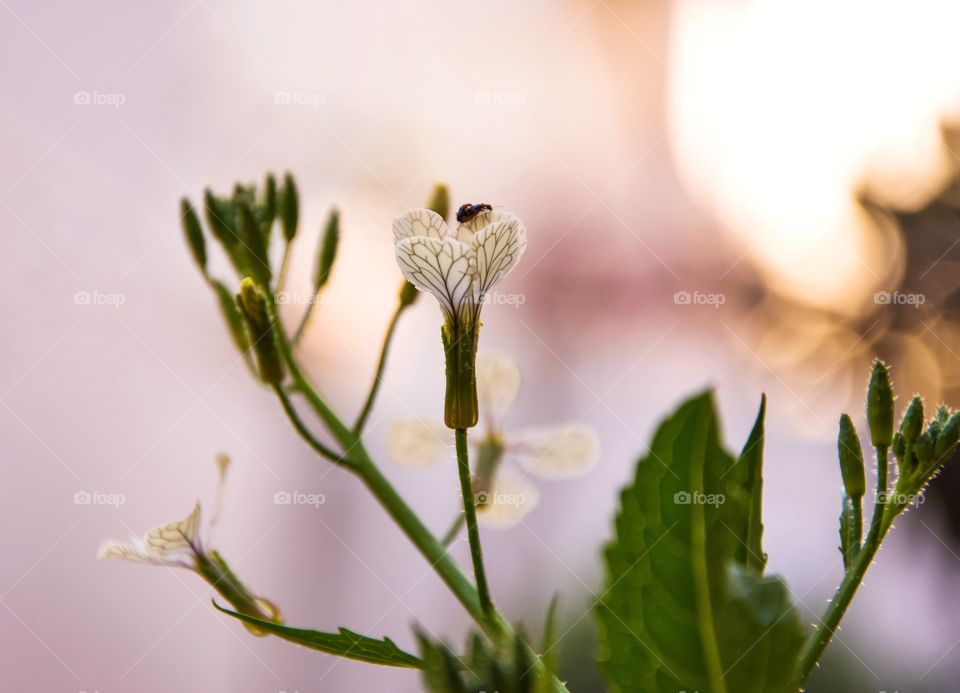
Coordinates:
<point>912,423</point>
<point>461,409</point>
<point>231,315</point>
<point>440,200</point>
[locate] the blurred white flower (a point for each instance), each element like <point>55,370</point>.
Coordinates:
<point>502,493</point>
<point>176,544</point>
<point>458,265</point>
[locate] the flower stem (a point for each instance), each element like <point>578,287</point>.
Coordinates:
<point>817,642</point>
<point>378,376</point>
<point>470,514</point>
<point>454,530</point>
<point>305,433</point>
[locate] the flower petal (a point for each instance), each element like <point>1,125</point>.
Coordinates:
<point>556,452</point>
<point>498,383</point>
<point>176,537</point>
<point>468,229</point>
<point>509,500</point>
<point>419,222</point>
<point>419,443</point>
<point>496,249</point>
<point>441,266</point>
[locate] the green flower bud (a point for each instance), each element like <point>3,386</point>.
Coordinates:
<point>851,459</point>
<point>289,200</point>
<point>440,200</point>
<point>328,251</point>
<point>912,423</point>
<point>253,305</point>
<point>899,446</point>
<point>947,440</point>
<point>408,294</point>
<point>924,447</point>
<point>194,234</point>
<point>880,406</point>
<point>269,204</point>
<point>220,219</point>
<point>254,245</point>
<point>232,316</point>
<point>941,416</point>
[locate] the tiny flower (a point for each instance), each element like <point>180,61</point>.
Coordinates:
<point>503,495</point>
<point>179,545</point>
<point>458,266</point>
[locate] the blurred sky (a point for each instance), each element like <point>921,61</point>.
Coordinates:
<point>710,147</point>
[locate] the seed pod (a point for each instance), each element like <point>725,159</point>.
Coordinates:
<point>263,337</point>
<point>328,250</point>
<point>880,406</point>
<point>289,207</point>
<point>912,423</point>
<point>440,200</point>
<point>851,459</point>
<point>947,440</point>
<point>194,234</point>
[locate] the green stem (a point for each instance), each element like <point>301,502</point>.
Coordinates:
<point>470,514</point>
<point>284,262</point>
<point>817,642</point>
<point>305,433</point>
<point>378,376</point>
<point>454,530</point>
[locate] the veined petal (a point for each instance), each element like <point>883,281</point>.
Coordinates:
<point>496,249</point>
<point>441,266</point>
<point>419,443</point>
<point>466,230</point>
<point>419,222</point>
<point>556,452</point>
<point>176,537</point>
<point>498,384</point>
<point>509,500</point>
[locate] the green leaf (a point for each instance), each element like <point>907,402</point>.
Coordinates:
<point>344,643</point>
<point>685,607</point>
<point>551,646</point>
<point>749,472</point>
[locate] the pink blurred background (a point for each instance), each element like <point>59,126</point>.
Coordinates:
<point>794,159</point>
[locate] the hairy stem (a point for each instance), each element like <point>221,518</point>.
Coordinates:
<point>378,376</point>
<point>817,642</point>
<point>470,514</point>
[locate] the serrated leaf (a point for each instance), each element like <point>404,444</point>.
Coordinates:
<point>681,610</point>
<point>344,643</point>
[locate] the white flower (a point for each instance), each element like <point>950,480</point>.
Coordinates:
<point>460,265</point>
<point>563,451</point>
<point>175,544</point>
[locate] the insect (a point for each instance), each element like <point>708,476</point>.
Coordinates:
<point>469,211</point>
